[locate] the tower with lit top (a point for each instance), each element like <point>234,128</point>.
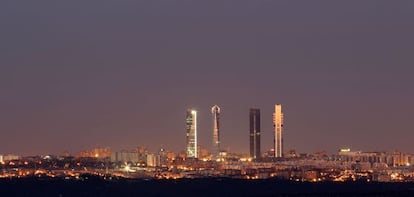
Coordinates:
<point>191,127</point>
<point>215,111</point>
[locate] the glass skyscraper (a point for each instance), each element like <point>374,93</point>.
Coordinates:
<point>254,117</point>
<point>191,127</point>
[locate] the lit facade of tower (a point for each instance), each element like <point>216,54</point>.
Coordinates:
<point>254,118</point>
<point>191,127</point>
<point>278,129</point>
<point>215,110</point>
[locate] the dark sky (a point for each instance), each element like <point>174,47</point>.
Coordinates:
<point>83,73</point>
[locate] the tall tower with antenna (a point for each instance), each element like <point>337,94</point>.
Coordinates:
<point>215,111</point>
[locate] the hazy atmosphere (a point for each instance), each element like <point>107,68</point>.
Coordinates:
<point>79,74</point>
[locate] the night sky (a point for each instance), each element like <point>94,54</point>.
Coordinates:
<point>121,73</point>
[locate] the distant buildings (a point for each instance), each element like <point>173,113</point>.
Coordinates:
<point>153,160</point>
<point>191,127</point>
<point>131,156</point>
<point>192,148</point>
<point>140,157</point>
<point>9,157</point>
<point>215,110</point>
<point>278,129</point>
<point>254,118</point>
<point>96,152</point>
<point>375,159</point>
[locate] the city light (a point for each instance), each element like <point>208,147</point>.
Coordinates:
<point>199,162</point>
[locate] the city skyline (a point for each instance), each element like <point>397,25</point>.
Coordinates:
<point>120,74</point>
<point>193,145</point>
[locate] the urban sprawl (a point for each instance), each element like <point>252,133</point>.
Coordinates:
<point>196,162</point>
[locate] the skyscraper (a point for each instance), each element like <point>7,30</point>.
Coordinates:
<point>278,128</point>
<point>215,110</point>
<point>191,127</point>
<point>255,133</point>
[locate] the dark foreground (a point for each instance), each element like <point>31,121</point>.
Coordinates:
<point>197,187</point>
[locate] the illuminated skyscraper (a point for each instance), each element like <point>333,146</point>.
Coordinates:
<point>254,133</point>
<point>278,127</point>
<point>215,110</point>
<point>191,127</point>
